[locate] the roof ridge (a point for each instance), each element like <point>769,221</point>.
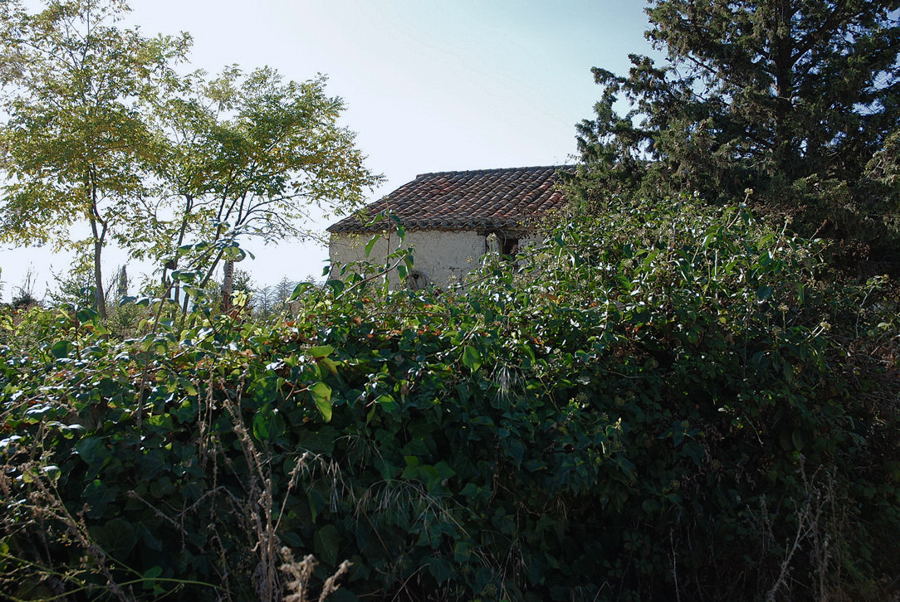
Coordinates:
<point>490,170</point>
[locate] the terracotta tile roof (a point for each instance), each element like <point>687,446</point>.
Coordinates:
<point>464,200</point>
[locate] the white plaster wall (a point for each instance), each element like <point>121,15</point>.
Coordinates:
<point>530,240</point>
<point>443,256</point>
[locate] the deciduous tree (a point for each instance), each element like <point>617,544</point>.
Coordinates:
<point>74,142</point>
<point>251,155</point>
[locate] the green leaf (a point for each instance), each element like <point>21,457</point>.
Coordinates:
<point>301,288</point>
<point>371,244</point>
<point>86,314</point>
<point>61,349</point>
<point>117,537</point>
<point>471,358</point>
<point>185,275</point>
<point>233,253</point>
<point>401,231</point>
<point>387,402</point>
<point>330,365</point>
<point>153,572</point>
<point>321,394</point>
<point>92,450</point>
<point>261,424</point>
<point>321,441</point>
<point>98,496</point>
<point>462,551</point>
<point>326,543</point>
<point>440,569</point>
<point>320,351</point>
<point>150,576</point>
<point>52,471</point>
<point>335,285</point>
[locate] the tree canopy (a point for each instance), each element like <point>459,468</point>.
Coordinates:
<point>74,142</point>
<point>246,155</point>
<point>782,102</point>
<point>178,168</point>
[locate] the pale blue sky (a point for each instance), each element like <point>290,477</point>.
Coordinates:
<point>430,86</point>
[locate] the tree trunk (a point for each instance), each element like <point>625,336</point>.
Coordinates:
<point>99,293</point>
<point>98,233</point>
<point>782,53</point>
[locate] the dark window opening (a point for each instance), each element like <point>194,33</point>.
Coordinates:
<point>510,246</point>
<point>497,242</point>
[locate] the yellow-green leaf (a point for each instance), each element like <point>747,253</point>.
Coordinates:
<point>321,394</point>
<point>320,351</point>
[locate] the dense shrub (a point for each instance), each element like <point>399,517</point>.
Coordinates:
<point>664,402</point>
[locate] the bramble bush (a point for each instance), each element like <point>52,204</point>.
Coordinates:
<point>667,401</point>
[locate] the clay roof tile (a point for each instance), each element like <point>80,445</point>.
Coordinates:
<point>463,200</point>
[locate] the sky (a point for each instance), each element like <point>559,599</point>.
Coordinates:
<point>429,86</point>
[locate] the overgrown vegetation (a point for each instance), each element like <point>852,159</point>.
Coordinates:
<point>669,401</point>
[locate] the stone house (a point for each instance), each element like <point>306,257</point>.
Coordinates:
<point>452,218</point>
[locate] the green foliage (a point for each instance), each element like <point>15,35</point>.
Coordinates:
<point>74,142</point>
<point>246,155</point>
<point>656,403</point>
<point>73,287</point>
<point>790,100</point>
<point>177,169</point>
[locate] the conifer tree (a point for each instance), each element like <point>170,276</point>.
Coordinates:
<point>789,99</point>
